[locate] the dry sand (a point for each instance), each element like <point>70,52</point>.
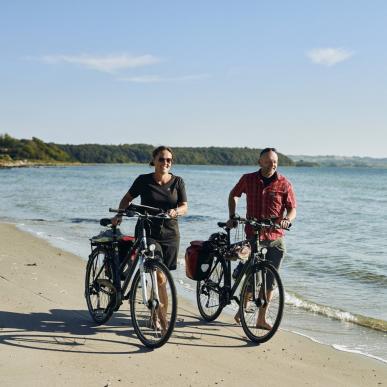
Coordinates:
<point>48,339</point>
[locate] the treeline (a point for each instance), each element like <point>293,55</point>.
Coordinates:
<point>38,150</point>
<point>141,153</point>
<point>35,149</point>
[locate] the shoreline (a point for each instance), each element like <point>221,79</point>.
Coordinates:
<point>45,326</point>
<point>42,164</point>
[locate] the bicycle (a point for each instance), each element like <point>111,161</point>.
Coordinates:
<point>108,278</point>
<point>261,282</point>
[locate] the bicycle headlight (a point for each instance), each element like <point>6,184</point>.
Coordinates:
<point>152,247</point>
<point>264,251</point>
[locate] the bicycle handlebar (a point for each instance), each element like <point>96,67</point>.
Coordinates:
<point>141,211</point>
<point>258,224</point>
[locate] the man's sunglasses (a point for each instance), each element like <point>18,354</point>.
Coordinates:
<point>163,159</point>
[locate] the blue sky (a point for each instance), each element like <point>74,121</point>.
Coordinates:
<point>308,77</point>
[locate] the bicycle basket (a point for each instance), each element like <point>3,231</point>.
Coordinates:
<point>240,251</point>
<point>198,260</point>
<point>105,236</point>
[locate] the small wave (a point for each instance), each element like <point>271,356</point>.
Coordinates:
<point>368,277</point>
<point>347,271</point>
<point>338,347</point>
<point>195,218</point>
<point>84,220</point>
<point>361,275</point>
<point>346,349</point>
<point>336,313</point>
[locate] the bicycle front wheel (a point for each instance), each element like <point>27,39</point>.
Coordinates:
<point>209,292</point>
<point>153,304</point>
<point>100,292</point>
<point>261,303</point>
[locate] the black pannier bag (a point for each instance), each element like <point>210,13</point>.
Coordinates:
<point>198,260</point>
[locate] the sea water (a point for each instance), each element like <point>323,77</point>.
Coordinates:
<point>335,271</point>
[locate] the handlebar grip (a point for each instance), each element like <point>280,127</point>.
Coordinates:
<point>238,218</point>
<point>141,207</point>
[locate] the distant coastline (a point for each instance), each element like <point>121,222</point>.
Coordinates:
<point>25,152</point>
<point>338,161</point>
<point>15,153</point>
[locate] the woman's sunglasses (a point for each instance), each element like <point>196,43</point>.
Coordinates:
<point>163,159</point>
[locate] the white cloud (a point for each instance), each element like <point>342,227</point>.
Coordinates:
<point>159,79</point>
<point>107,63</point>
<point>328,56</point>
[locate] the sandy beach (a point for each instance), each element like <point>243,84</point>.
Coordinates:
<point>48,338</point>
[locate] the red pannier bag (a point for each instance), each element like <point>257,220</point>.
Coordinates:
<point>125,244</point>
<point>198,260</point>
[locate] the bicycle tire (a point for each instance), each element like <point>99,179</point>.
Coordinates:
<point>209,292</point>
<point>148,320</point>
<point>252,301</point>
<point>100,292</point>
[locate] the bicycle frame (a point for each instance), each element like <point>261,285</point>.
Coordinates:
<point>256,255</point>
<point>140,245</point>
<point>111,271</point>
<point>260,308</point>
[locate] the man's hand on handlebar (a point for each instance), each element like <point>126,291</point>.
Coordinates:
<point>285,223</point>
<point>232,222</point>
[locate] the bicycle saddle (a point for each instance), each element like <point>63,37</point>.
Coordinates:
<point>105,222</point>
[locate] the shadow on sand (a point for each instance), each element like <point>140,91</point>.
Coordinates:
<point>73,331</point>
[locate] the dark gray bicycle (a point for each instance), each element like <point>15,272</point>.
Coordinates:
<point>115,262</point>
<point>262,290</point>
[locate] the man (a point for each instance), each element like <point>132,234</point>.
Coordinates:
<point>268,195</point>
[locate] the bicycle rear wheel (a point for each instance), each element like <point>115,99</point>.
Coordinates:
<point>153,319</point>
<point>100,292</point>
<point>208,292</point>
<point>262,303</point>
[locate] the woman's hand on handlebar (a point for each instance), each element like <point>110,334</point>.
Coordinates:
<point>173,213</point>
<point>180,210</point>
<point>117,220</point>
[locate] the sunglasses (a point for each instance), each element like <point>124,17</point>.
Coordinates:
<point>163,159</point>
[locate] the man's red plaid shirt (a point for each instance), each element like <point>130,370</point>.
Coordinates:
<point>265,202</point>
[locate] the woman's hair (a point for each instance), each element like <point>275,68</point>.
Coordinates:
<point>159,149</point>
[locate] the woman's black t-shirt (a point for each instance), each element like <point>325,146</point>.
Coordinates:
<point>165,196</point>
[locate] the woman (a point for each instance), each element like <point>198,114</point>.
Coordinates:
<point>163,190</point>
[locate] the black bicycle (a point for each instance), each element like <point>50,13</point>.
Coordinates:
<point>261,299</point>
<point>112,267</point>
